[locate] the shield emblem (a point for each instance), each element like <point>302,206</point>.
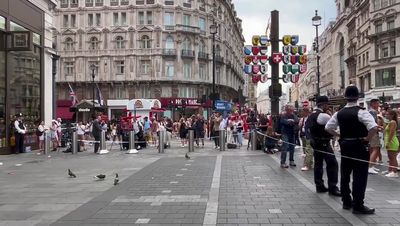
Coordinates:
<point>247,69</point>
<point>285,50</point>
<point>295,68</point>
<point>303,59</point>
<point>287,68</point>
<point>264,40</point>
<point>256,69</point>
<point>286,78</point>
<point>255,59</point>
<point>263,69</point>
<point>276,58</point>
<point>302,49</point>
<point>286,40</point>
<point>294,78</point>
<point>263,59</point>
<point>294,50</point>
<point>255,40</point>
<point>264,78</point>
<point>264,50</point>
<point>286,59</point>
<point>248,59</point>
<point>294,59</point>
<point>255,79</point>
<point>255,50</point>
<point>295,39</point>
<point>303,68</point>
<point>247,50</point>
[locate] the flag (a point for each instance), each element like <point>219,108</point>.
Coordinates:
<point>99,96</point>
<point>72,95</point>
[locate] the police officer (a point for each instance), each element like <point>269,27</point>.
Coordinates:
<point>320,142</point>
<point>357,127</point>
<point>19,132</point>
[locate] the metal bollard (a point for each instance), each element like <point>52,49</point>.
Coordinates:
<point>103,149</point>
<point>47,142</point>
<point>253,140</point>
<point>191,141</point>
<point>222,139</point>
<point>132,147</point>
<point>74,143</point>
<point>161,142</point>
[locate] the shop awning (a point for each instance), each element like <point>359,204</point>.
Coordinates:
<point>64,113</point>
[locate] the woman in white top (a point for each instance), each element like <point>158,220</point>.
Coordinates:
<point>54,135</point>
<point>80,131</point>
<point>41,130</point>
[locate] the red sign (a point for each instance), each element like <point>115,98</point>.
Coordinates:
<point>177,102</point>
<point>306,103</point>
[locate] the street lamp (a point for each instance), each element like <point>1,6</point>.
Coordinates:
<point>93,69</point>
<point>213,31</point>
<point>316,21</point>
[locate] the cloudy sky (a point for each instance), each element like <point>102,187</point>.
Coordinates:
<point>294,15</point>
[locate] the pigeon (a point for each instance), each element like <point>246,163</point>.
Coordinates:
<point>71,174</point>
<point>100,177</point>
<point>116,180</point>
<point>187,156</point>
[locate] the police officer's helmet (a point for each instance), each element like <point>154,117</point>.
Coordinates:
<point>351,93</point>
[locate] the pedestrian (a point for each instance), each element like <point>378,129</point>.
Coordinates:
<point>80,131</point>
<point>391,142</point>
<point>305,141</point>
<point>262,127</point>
<point>375,144</point>
<point>199,130</point>
<point>357,127</point>
<point>59,131</point>
<point>96,132</point>
<point>215,130</point>
<point>271,141</point>
<point>252,122</point>
<point>183,130</point>
<point>153,130</point>
<point>54,135</point>
<point>239,130</point>
<point>321,143</point>
<point>288,123</point>
<point>40,134</point>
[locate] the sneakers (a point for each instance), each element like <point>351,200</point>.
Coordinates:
<point>292,163</point>
<point>284,166</point>
<point>392,174</point>
<point>305,168</point>
<point>371,170</point>
<point>376,169</point>
<point>385,172</point>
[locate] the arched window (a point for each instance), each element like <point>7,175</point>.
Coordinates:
<point>341,62</point>
<point>202,47</point>
<point>93,43</point>
<point>145,42</point>
<point>187,44</point>
<point>119,42</point>
<point>69,44</point>
<point>169,43</point>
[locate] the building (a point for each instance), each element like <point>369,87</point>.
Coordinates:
<point>149,49</point>
<point>25,67</point>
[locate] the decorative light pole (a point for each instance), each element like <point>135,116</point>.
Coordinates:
<point>93,69</point>
<point>316,21</point>
<point>213,31</point>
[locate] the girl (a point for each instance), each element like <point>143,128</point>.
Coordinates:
<point>41,129</point>
<point>54,135</point>
<point>391,142</point>
<point>80,131</point>
<point>183,131</point>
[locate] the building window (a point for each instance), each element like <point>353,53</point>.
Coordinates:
<point>69,68</point>
<point>378,27</point>
<point>93,43</point>
<point>99,2</point>
<point>68,44</point>
<point>377,4</point>
<point>187,92</point>
<point>145,42</point>
<point>166,91</point>
<point>146,92</point>
<point>186,20</point>
<point>202,5</point>
<point>393,48</point>
<point>123,19</point>
<point>89,3</point>
<point>98,19</point>
<point>114,2</point>
<point>141,18</point>
<point>202,24</point>
<point>120,92</point>
<point>202,47</point>
<point>90,20</point>
<point>115,19</point>
<point>149,17</point>
<point>169,43</point>
<point>74,3</point>
<point>169,69</point>
<point>187,44</point>
<point>384,3</point>
<point>120,67</point>
<point>187,70</point>
<point>119,42</point>
<point>145,66</point>
<point>73,20</point>
<point>65,21</point>
<point>203,72</point>
<point>169,19</point>
<point>390,23</point>
<point>385,77</point>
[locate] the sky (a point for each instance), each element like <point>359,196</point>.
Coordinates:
<point>294,17</point>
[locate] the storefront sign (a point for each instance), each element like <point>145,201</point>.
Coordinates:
<point>83,109</point>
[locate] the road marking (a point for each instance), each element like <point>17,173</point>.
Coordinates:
<point>184,169</point>
<point>179,175</point>
<point>188,164</point>
<point>274,210</point>
<point>256,177</point>
<point>173,182</point>
<point>142,221</point>
<point>166,191</point>
<point>210,218</point>
<point>393,202</point>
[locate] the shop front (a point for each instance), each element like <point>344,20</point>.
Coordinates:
<point>142,108</point>
<point>84,110</point>
<point>184,107</point>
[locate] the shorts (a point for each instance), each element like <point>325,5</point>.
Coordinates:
<point>375,142</point>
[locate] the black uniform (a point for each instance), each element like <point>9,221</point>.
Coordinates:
<point>320,142</point>
<point>352,144</point>
<point>19,137</point>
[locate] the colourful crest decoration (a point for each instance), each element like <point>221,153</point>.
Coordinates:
<point>294,59</point>
<point>286,59</point>
<point>294,78</point>
<point>248,69</point>
<point>255,59</point>
<point>285,50</point>
<point>286,40</point>
<point>248,60</point>
<point>276,58</point>
<point>264,78</point>
<point>255,50</point>
<point>302,49</point>
<point>286,78</point>
<point>256,69</point>
<point>303,59</point>
<point>255,40</point>
<point>263,69</point>
<point>255,79</point>
<point>295,68</point>
<point>263,59</point>
<point>264,40</point>
<point>294,50</point>
<point>295,40</point>
<point>247,49</point>
<point>303,68</point>
<point>287,68</point>
<point>264,50</point>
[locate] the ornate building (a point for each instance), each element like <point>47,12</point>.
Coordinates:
<point>148,49</point>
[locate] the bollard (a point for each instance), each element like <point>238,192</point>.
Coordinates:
<point>47,142</point>
<point>161,141</point>
<point>132,147</point>
<point>253,140</point>
<point>191,141</point>
<point>222,139</point>
<point>103,149</point>
<point>74,144</point>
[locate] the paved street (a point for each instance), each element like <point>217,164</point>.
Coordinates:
<point>235,187</point>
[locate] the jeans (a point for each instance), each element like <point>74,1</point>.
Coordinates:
<point>308,151</point>
<point>323,152</point>
<point>287,146</point>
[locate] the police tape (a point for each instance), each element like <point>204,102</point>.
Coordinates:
<point>330,153</point>
<point>111,142</point>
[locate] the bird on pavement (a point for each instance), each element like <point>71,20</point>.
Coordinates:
<point>187,156</point>
<point>116,180</point>
<point>71,174</point>
<point>100,177</point>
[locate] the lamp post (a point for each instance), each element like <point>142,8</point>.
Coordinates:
<point>316,21</point>
<point>213,31</point>
<point>93,69</point>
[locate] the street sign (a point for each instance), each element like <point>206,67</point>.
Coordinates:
<point>223,105</point>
